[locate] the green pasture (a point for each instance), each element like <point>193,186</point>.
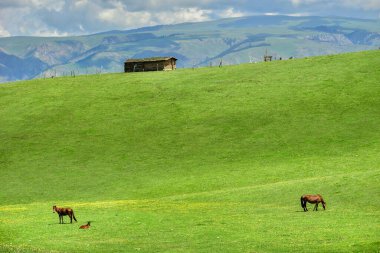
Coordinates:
<point>203,160</point>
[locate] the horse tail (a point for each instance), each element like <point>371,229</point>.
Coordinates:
<point>74,216</point>
<point>302,203</point>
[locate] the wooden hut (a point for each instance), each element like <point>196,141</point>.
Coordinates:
<point>150,64</point>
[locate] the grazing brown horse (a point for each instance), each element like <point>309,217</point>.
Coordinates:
<point>313,199</point>
<point>85,226</point>
<point>62,211</point>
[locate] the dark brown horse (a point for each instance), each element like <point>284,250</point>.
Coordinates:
<point>85,226</point>
<point>313,199</point>
<point>62,211</point>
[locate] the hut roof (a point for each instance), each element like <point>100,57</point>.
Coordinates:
<point>152,59</point>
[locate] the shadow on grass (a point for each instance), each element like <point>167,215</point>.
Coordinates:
<point>50,224</point>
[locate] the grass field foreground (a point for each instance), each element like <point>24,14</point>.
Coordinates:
<point>203,160</point>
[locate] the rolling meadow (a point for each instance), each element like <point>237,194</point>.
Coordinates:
<point>195,160</point>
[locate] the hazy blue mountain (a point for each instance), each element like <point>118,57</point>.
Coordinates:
<point>11,66</point>
<point>233,41</point>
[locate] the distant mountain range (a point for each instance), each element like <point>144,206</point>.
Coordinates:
<point>234,41</point>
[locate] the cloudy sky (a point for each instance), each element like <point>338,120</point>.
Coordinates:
<point>74,17</point>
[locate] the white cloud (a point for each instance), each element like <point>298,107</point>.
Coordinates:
<point>231,13</point>
<point>184,15</point>
<point>301,14</point>
<point>50,33</point>
<point>366,4</point>
<point>60,17</point>
<point>3,32</point>
<point>121,17</point>
<point>271,13</point>
<point>80,3</point>
<point>299,2</point>
<point>354,4</point>
<point>81,28</point>
<point>40,29</point>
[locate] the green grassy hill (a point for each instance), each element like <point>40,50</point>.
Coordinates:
<point>203,160</point>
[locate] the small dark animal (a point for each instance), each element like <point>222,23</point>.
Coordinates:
<point>313,199</point>
<point>85,226</point>
<point>62,211</point>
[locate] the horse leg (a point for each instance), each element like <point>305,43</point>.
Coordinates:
<point>303,204</point>
<point>71,218</point>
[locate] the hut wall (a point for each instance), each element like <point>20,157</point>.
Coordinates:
<point>154,66</point>
<point>133,67</point>
<point>170,65</point>
<point>149,66</point>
